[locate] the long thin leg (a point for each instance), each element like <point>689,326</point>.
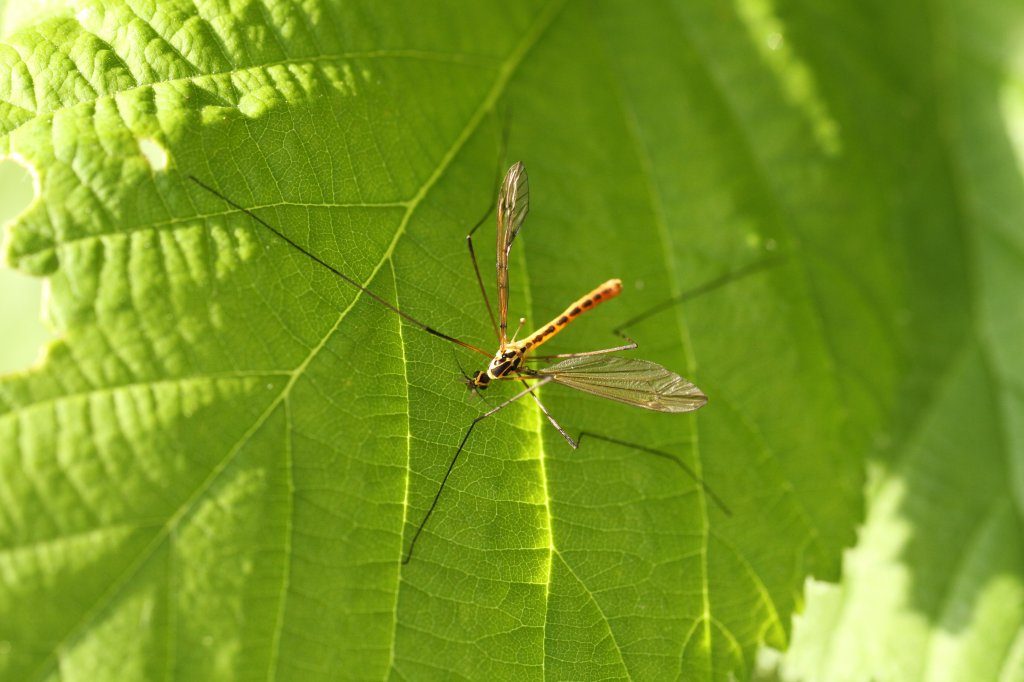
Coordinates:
<point>479,278</point>
<point>317,259</point>
<point>573,444</point>
<point>629,346</point>
<point>462,445</point>
<point>710,285</point>
<point>483,218</point>
<point>666,455</point>
<point>643,448</point>
<point>686,295</point>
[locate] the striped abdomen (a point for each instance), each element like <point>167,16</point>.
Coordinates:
<point>600,294</point>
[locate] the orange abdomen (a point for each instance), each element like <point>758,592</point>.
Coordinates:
<point>599,295</point>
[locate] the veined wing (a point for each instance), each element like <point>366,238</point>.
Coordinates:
<point>635,382</point>
<point>513,205</point>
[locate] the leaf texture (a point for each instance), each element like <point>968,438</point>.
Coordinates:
<point>218,467</point>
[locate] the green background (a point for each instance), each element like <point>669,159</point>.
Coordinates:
<point>21,295</point>
<point>218,467</point>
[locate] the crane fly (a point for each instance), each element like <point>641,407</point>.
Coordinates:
<point>627,380</point>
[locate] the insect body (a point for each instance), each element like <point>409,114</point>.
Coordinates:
<point>636,382</point>
<point>628,380</point>
<point>511,359</point>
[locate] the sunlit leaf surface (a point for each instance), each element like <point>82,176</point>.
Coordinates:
<point>217,470</point>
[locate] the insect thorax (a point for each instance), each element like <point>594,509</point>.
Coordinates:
<point>508,361</point>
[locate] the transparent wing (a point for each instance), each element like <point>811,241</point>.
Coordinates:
<point>635,382</point>
<point>513,205</point>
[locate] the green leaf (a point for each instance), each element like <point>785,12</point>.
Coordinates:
<point>934,588</point>
<point>19,316</point>
<point>219,467</point>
